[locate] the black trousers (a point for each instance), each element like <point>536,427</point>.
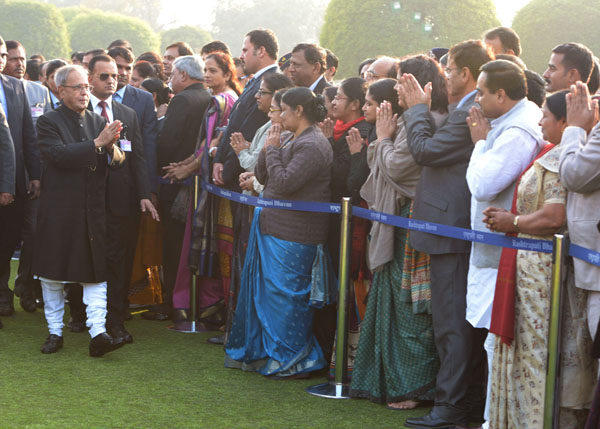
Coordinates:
<point>173,232</point>
<point>11,224</point>
<point>461,381</point>
<point>121,234</point>
<point>25,284</point>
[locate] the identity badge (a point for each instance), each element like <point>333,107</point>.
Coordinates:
<point>125,145</point>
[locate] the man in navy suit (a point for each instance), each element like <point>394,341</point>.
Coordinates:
<point>259,54</point>
<point>127,192</point>
<point>143,104</point>
<point>27,181</point>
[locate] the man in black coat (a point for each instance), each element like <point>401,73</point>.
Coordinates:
<point>176,142</point>
<point>27,179</point>
<point>443,197</point>
<point>7,165</point>
<point>307,67</point>
<point>127,191</point>
<point>77,147</point>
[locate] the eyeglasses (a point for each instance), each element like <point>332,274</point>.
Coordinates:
<point>260,93</point>
<point>80,88</point>
<point>105,76</point>
<point>274,110</point>
<point>448,70</point>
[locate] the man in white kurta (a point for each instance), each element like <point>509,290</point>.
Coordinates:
<point>504,147</point>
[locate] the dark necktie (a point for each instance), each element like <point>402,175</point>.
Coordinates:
<point>104,113</point>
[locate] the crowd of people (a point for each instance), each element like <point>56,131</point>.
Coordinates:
<point>95,152</point>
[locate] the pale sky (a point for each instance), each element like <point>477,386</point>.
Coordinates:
<point>200,12</point>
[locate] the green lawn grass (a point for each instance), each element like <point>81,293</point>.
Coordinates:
<point>164,379</point>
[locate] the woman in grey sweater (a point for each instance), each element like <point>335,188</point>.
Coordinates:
<point>272,327</point>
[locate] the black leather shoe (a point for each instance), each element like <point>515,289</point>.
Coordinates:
<point>104,343</point>
<point>121,333</point>
<point>431,420</point>
<point>6,309</point>
<point>27,303</point>
<point>219,339</point>
<point>39,303</point>
<point>76,327</point>
<point>52,344</point>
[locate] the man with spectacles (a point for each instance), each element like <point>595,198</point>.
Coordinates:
<point>78,146</point>
<point>27,175</point>
<point>443,197</point>
<point>307,67</point>
<point>128,193</point>
<point>382,68</point>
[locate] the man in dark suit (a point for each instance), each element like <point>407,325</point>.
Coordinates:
<point>176,142</point>
<point>143,104</point>
<point>443,197</point>
<point>307,67</point>
<point>7,164</point>
<point>27,180</point>
<point>127,191</point>
<point>259,54</point>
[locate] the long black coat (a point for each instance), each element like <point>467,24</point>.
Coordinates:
<point>71,230</point>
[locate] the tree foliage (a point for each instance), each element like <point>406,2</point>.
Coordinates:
<point>543,24</point>
<point>72,11</point>
<point>39,27</point>
<point>195,36</point>
<point>96,29</point>
<point>358,29</point>
<point>146,10</point>
<point>293,21</point>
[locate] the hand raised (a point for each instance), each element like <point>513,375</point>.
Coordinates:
<point>355,141</point>
<point>412,92</point>
<point>273,136</point>
<point>327,127</point>
<point>387,122</point>
<point>478,124</point>
<point>582,111</point>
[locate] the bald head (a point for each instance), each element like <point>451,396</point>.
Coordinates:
<point>382,68</point>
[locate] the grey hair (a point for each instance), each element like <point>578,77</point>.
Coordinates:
<point>62,74</point>
<point>192,65</point>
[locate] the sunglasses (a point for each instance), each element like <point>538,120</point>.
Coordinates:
<point>105,76</point>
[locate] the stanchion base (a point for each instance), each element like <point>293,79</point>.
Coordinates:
<point>330,390</point>
<point>188,327</point>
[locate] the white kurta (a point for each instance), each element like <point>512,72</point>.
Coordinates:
<point>491,172</point>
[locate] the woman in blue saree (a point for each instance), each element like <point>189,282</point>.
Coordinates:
<point>272,327</point>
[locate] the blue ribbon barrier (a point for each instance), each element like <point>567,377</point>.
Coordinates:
<point>545,246</point>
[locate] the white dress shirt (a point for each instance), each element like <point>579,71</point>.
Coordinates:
<point>95,101</point>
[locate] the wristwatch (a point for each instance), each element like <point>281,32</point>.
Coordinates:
<point>516,222</point>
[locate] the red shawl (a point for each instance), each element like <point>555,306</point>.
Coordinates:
<point>503,310</point>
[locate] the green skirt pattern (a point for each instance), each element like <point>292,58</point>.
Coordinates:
<point>396,358</point>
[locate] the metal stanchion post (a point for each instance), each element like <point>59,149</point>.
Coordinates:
<point>552,397</point>
<point>191,326</point>
<point>339,389</point>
